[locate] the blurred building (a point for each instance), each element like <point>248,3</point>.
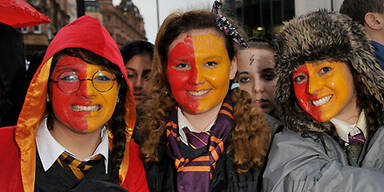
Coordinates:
<point>124,22</point>
<point>265,17</point>
<point>37,38</point>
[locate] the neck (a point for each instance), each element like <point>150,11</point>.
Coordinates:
<point>350,114</point>
<point>200,121</point>
<point>80,144</point>
<point>375,35</point>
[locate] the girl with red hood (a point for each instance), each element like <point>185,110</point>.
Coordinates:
<point>74,130</point>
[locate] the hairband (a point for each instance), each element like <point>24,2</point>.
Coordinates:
<point>224,25</point>
<point>235,85</point>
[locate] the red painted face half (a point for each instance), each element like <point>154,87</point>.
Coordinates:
<point>199,70</point>
<point>79,103</point>
<point>325,90</point>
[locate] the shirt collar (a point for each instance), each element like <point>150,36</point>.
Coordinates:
<point>49,149</point>
<point>344,129</point>
<point>182,122</point>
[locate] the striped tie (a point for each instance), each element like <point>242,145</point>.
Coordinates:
<point>77,167</point>
<point>197,140</point>
<point>355,145</point>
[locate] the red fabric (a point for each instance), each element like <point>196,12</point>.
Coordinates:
<point>135,179</point>
<point>10,164</point>
<point>18,13</point>
<point>9,161</point>
<point>87,33</point>
<point>77,34</point>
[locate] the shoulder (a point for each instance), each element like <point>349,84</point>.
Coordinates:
<point>7,135</point>
<point>10,175</point>
<point>291,143</point>
<point>135,179</point>
<point>226,178</point>
<point>274,123</point>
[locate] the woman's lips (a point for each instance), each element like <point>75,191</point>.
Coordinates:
<point>261,103</point>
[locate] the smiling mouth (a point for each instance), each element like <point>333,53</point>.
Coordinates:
<point>322,101</point>
<point>198,93</point>
<point>86,108</point>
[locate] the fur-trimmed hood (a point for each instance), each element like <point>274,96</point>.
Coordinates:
<point>324,35</point>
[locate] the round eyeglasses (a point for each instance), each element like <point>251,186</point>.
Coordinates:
<point>69,82</point>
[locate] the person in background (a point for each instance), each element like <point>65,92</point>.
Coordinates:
<point>137,57</point>
<point>369,13</point>
<point>12,74</point>
<point>256,75</point>
<point>74,130</point>
<point>330,94</point>
<point>201,131</point>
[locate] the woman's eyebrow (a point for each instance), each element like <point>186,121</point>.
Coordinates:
<point>243,72</point>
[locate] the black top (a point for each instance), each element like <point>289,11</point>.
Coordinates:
<point>162,176</point>
<point>59,179</point>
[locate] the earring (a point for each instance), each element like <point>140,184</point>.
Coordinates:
<point>48,100</point>
<point>117,100</point>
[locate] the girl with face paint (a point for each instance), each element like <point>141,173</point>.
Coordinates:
<point>74,131</point>
<point>197,131</point>
<point>331,96</point>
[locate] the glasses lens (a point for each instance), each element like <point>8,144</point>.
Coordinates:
<point>68,82</point>
<point>103,81</point>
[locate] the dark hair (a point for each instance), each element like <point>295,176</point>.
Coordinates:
<point>117,122</point>
<point>260,43</point>
<point>137,47</point>
<point>250,136</point>
<point>356,9</point>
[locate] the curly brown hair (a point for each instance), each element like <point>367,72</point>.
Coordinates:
<point>251,135</point>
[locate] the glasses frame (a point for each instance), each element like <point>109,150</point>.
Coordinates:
<point>80,80</point>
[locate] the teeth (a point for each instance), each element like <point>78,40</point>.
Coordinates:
<point>322,101</point>
<point>198,93</point>
<point>85,108</point>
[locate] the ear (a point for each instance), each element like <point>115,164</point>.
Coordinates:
<point>375,21</point>
<point>233,69</point>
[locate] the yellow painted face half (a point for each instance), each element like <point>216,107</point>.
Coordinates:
<point>199,70</point>
<point>83,95</point>
<point>325,89</point>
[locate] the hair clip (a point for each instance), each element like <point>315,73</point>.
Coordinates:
<point>235,85</point>
<point>224,25</point>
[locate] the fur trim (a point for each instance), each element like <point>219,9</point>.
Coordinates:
<point>322,35</point>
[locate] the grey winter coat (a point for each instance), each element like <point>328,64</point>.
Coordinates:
<point>318,163</point>
<point>306,155</point>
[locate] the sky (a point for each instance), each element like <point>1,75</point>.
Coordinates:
<point>149,12</point>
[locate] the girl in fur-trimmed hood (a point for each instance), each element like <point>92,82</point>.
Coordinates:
<point>331,94</point>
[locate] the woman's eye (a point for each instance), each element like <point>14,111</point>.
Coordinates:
<point>269,76</point>
<point>244,79</point>
<point>325,70</point>
<point>300,79</point>
<point>69,78</point>
<point>182,66</point>
<point>103,78</point>
<point>211,64</point>
<point>130,76</point>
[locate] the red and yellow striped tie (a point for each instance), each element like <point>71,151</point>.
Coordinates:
<point>77,167</point>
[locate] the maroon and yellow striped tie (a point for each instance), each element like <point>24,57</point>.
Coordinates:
<point>197,140</point>
<point>77,167</point>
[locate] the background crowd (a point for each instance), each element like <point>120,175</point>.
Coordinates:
<point>207,107</point>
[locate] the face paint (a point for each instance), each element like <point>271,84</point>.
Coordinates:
<point>198,70</point>
<point>324,89</point>
<point>86,109</point>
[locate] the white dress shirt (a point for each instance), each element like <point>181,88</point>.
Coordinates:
<point>344,129</point>
<point>49,149</point>
<point>183,122</point>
